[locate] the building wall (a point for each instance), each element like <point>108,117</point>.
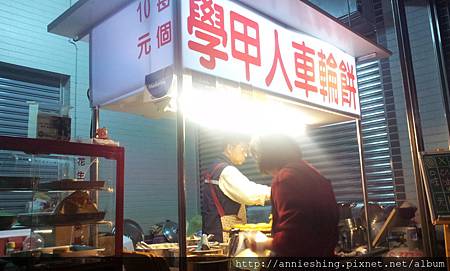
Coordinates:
<point>427,83</point>
<point>428,86</point>
<point>390,106</point>
<point>443,12</point>
<point>150,166</point>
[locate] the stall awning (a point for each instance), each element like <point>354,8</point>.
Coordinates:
<point>78,20</point>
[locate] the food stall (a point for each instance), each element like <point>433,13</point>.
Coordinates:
<point>282,65</point>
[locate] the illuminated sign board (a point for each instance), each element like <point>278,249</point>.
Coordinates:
<point>225,39</point>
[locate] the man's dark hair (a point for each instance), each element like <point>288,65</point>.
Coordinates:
<point>274,151</point>
<point>233,139</point>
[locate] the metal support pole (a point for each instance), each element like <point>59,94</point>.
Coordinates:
<point>413,119</point>
<point>180,141</point>
<point>181,183</point>
<point>437,42</point>
<point>120,186</point>
<point>93,175</point>
<point>364,182</point>
<point>95,120</point>
<point>348,12</point>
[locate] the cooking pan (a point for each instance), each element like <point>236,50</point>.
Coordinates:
<point>133,230</point>
<point>345,210</point>
<point>377,217</point>
<point>170,231</point>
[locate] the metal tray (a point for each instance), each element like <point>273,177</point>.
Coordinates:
<point>51,219</point>
<point>71,184</point>
<point>32,183</point>
<point>18,183</point>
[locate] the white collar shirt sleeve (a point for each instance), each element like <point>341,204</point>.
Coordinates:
<point>239,188</point>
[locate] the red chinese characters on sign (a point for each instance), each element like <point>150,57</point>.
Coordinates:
<point>164,31</point>
<point>164,35</point>
<point>333,92</point>
<point>277,60</point>
<point>323,90</point>
<point>163,4</point>
<point>328,80</point>
<point>245,41</point>
<point>304,67</point>
<point>320,73</point>
<point>143,10</point>
<point>144,44</point>
<point>348,85</point>
<point>206,20</point>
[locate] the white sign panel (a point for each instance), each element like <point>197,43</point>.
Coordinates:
<point>128,46</point>
<point>224,39</point>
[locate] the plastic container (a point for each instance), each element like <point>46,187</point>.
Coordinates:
<point>33,241</point>
<point>10,248</point>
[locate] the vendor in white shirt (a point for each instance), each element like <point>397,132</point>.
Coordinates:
<point>225,190</point>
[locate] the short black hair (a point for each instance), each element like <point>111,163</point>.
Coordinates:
<point>274,151</point>
<point>233,139</point>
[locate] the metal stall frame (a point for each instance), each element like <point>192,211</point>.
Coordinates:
<point>94,170</point>
<point>363,181</point>
<point>440,55</point>
<point>76,23</point>
<point>180,120</point>
<point>181,130</point>
<point>413,120</point>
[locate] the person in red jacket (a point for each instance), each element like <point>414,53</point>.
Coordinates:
<point>304,209</point>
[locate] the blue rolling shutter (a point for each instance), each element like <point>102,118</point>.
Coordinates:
<point>15,93</point>
<point>335,149</point>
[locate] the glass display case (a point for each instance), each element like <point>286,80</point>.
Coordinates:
<point>60,197</point>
